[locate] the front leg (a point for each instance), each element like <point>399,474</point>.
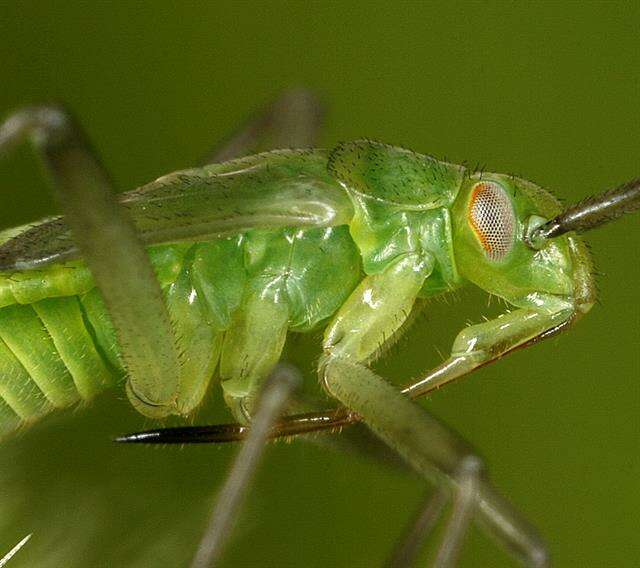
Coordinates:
<point>377,309</point>
<point>375,312</point>
<point>484,343</point>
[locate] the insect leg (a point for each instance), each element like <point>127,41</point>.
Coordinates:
<point>253,345</point>
<point>475,347</point>
<point>110,247</point>
<point>376,310</point>
<point>293,120</point>
<point>272,400</point>
<point>408,547</point>
<point>432,449</point>
<point>464,504</point>
<point>484,343</point>
<point>465,499</point>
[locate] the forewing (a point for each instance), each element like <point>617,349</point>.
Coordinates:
<point>275,189</point>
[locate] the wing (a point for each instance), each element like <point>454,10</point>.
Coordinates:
<point>284,188</point>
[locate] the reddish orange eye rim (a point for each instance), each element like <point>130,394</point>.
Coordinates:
<point>492,219</point>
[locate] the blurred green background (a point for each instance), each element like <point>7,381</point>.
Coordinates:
<point>548,91</point>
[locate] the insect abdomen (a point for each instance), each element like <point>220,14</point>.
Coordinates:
<point>58,345</point>
<point>48,360</point>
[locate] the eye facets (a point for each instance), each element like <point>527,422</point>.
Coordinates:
<point>492,218</point>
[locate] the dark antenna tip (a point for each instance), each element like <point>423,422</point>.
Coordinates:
<point>149,437</point>
<point>217,434</point>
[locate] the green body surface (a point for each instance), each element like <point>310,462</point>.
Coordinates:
<point>378,227</point>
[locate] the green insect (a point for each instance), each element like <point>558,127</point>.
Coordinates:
<point>204,272</point>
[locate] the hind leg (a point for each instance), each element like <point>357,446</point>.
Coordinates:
<point>108,242</point>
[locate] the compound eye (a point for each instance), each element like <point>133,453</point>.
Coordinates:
<point>492,218</point>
